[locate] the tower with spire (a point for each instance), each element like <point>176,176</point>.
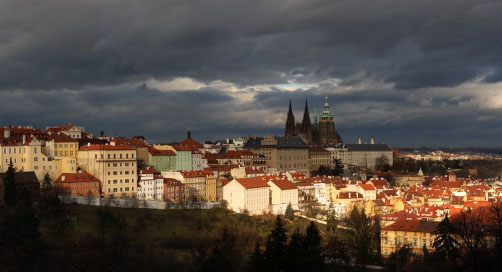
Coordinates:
<point>290,123</point>
<point>327,132</point>
<point>322,132</point>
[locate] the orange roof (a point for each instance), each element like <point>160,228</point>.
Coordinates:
<point>147,171</point>
<point>284,184</point>
<point>104,147</point>
<point>171,181</point>
<point>76,177</point>
<point>250,183</point>
<point>412,226</point>
<point>224,181</point>
<point>182,148</point>
<point>196,173</point>
<point>61,138</point>
<point>304,184</point>
<point>157,152</point>
<point>349,195</point>
<point>131,142</point>
<point>366,187</point>
<point>191,143</point>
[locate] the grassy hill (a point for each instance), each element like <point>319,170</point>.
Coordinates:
<point>170,239</point>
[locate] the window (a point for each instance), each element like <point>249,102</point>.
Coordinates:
<point>35,158</point>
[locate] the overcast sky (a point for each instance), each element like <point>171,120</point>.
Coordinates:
<point>405,72</point>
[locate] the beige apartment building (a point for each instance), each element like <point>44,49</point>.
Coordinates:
<point>250,195</point>
<point>26,155</point>
<point>417,234</point>
<point>283,154</point>
<point>61,145</point>
<point>114,166</point>
<point>318,157</point>
<point>282,193</point>
<point>195,184</point>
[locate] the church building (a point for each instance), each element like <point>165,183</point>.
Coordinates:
<point>321,133</point>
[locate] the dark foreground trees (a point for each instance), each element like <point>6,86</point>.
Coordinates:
<point>303,252</point>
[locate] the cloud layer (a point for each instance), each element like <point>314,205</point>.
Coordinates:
<point>405,72</point>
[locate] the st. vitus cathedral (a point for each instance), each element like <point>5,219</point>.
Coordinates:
<point>321,133</point>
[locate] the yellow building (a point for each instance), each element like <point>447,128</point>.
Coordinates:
<point>114,166</point>
<point>61,145</point>
<point>26,155</point>
<point>65,165</point>
<point>415,233</point>
<point>211,185</point>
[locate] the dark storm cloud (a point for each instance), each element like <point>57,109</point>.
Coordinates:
<point>68,44</point>
<point>86,61</point>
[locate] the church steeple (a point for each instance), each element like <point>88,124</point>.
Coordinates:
<point>306,116</point>
<point>316,122</point>
<point>290,122</point>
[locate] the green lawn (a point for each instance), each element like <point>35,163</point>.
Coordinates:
<point>173,228</point>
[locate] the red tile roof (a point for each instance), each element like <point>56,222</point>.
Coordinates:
<point>149,171</point>
<point>76,177</point>
<point>61,138</point>
<point>130,142</point>
<point>189,142</point>
<point>412,226</point>
<point>284,184</point>
<point>349,195</point>
<point>250,183</point>
<point>104,147</point>
<point>157,152</point>
<point>366,187</point>
<point>196,173</point>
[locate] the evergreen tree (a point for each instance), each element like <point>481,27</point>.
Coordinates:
<point>10,185</point>
<point>295,252</point>
<point>445,244</point>
<point>331,222</point>
<point>312,245</point>
<point>338,167</point>
<point>276,248</point>
<point>335,254</point>
<point>365,235</point>
<point>47,183</point>
<point>256,262</point>
<point>289,212</point>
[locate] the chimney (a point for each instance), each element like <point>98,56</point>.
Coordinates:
<point>24,139</point>
<point>88,144</point>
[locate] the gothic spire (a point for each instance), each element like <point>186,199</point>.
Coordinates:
<point>290,122</point>
<point>306,117</point>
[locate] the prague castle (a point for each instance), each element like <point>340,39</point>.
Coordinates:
<point>321,133</point>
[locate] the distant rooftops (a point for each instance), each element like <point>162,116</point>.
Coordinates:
<point>274,141</point>
<point>367,147</point>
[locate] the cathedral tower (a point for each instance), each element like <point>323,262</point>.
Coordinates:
<point>306,124</point>
<point>290,123</point>
<point>327,132</point>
